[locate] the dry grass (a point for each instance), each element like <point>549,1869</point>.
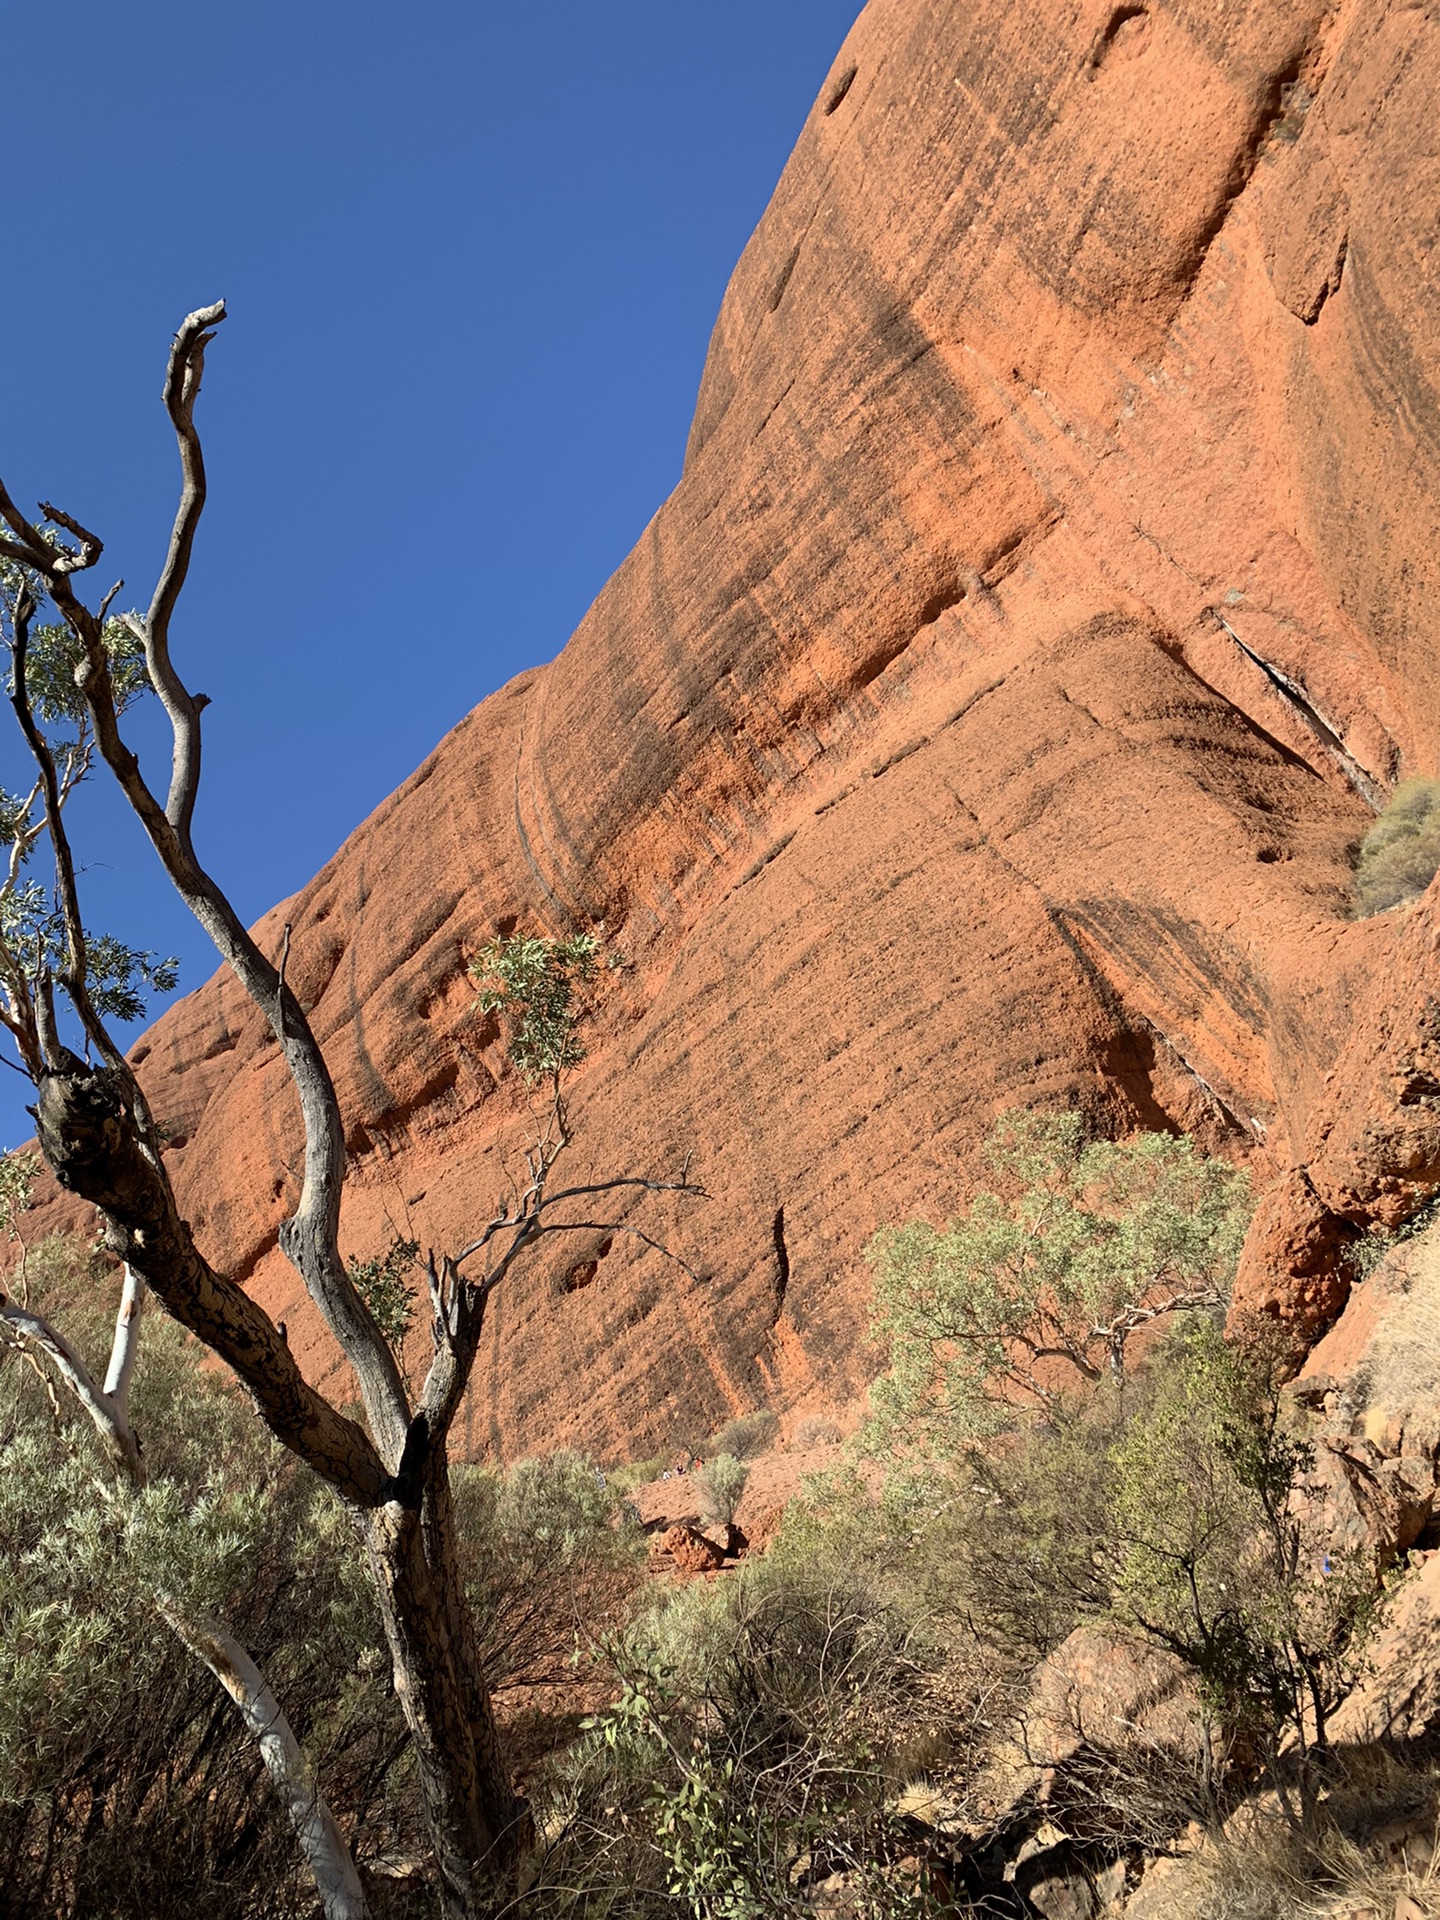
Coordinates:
<point>1372,1849</point>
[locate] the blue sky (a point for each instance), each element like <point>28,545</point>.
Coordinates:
<point>472,255</point>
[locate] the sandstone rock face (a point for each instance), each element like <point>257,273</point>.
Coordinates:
<point>988,717</point>
<point>1373,1388</point>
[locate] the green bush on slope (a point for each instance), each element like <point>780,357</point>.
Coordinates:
<point>1400,855</point>
<point>128,1784</point>
<point>1040,1286</point>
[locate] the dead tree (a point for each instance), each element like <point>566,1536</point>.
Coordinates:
<point>101,1142</point>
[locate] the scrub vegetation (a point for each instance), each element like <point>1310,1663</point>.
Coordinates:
<point>1400,855</point>
<point>822,1725</point>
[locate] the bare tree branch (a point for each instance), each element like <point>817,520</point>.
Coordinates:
<point>182,385</point>
<point>91,547</point>
<point>31,550</point>
<point>608,1226</point>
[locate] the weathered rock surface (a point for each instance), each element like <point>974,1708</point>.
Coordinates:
<point>988,717</point>
<point>1373,1387</point>
<point>690,1550</point>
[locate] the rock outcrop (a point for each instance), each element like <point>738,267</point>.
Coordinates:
<point>988,717</point>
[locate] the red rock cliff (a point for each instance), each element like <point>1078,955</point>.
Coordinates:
<point>988,717</point>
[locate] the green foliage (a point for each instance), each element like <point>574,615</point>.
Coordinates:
<point>33,932</point>
<point>744,1436</point>
<point>750,1755</point>
<point>18,1174</point>
<point>54,656</point>
<point>1170,1504</point>
<point>1366,1253</point>
<point>1400,855</point>
<point>1044,1283</point>
<point>547,1552</point>
<point>561,1500</point>
<point>1211,1553</point>
<point>531,979</point>
<point>128,1784</point>
<point>721,1482</point>
<point>382,1284</point>
<point>115,973</point>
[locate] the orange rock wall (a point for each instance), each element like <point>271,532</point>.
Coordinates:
<point>988,717</point>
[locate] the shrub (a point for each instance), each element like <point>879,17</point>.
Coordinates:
<point>532,978</point>
<point>635,1473</point>
<point>744,1436</point>
<point>1400,855</point>
<point>817,1431</point>
<point>542,1548</point>
<point>721,1482</point>
<point>129,1785</point>
<point>1209,1552</point>
<point>749,1757</point>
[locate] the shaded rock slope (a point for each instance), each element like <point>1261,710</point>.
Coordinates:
<point>989,716</point>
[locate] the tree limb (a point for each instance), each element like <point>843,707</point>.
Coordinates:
<point>90,1140</point>
<point>107,1416</point>
<point>182,385</point>
<point>126,1342</point>
<point>320,1839</point>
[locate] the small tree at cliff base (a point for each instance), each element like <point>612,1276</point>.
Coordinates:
<point>1170,1497</point>
<point>1210,1548</point>
<point>389,1464</point>
<point>1042,1285</point>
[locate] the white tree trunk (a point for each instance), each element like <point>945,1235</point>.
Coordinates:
<point>321,1841</point>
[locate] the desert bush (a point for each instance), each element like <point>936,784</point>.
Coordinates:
<point>1400,855</point>
<point>1171,1504</point>
<point>1041,1286</point>
<point>543,1548</point>
<point>817,1431</point>
<point>744,1436</point>
<point>1168,1499</point>
<point>128,1784</point>
<point>1211,1551</point>
<point>748,1757</point>
<point>721,1482</point>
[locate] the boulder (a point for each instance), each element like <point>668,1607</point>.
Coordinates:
<point>690,1550</point>
<point>1372,1390</point>
<point>1398,1697</point>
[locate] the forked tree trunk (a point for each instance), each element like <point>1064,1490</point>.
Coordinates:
<point>97,1137</point>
